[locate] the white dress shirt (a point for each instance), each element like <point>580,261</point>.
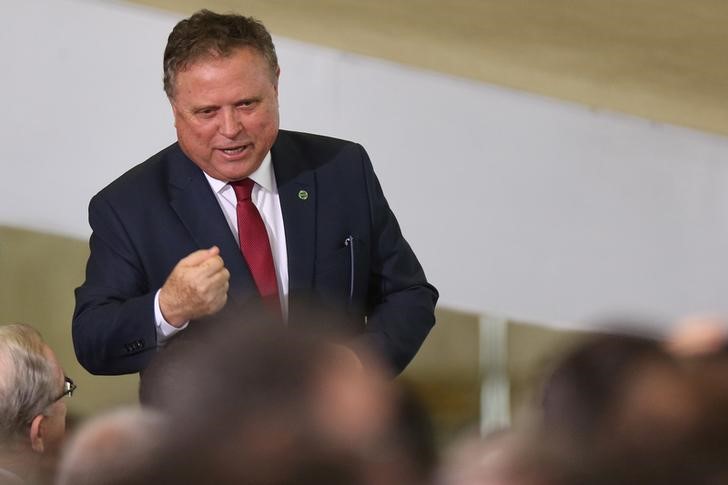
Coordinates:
<point>266,200</point>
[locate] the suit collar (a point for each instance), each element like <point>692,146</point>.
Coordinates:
<point>263,176</point>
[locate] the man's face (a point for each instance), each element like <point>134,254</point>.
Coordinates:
<point>226,113</point>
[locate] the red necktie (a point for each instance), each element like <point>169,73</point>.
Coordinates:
<point>254,243</point>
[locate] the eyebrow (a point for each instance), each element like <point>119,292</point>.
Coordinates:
<point>248,99</point>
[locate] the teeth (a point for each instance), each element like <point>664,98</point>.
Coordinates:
<point>234,150</point>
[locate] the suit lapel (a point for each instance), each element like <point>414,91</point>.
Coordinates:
<point>192,199</point>
<point>297,192</point>
<point>194,203</point>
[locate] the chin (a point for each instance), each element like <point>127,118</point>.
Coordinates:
<point>241,170</point>
<point>229,173</point>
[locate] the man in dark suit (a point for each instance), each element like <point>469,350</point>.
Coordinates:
<point>239,211</point>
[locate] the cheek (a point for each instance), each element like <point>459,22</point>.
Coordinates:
<point>197,142</point>
<point>57,421</point>
<point>265,121</point>
<point>199,135</point>
<point>192,130</point>
<point>62,423</point>
<point>61,411</point>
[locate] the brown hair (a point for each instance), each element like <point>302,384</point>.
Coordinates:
<point>209,34</point>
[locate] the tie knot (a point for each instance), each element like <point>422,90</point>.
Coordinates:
<point>243,188</point>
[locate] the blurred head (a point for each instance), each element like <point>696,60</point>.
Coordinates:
<point>667,425</point>
<point>590,381</point>
<point>271,405</point>
<point>221,77</point>
<point>506,457</point>
<point>114,448</point>
<point>32,388</point>
<point>628,411</point>
<point>293,376</point>
<point>698,335</point>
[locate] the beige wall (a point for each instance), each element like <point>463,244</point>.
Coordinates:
<point>660,59</point>
<point>38,273</point>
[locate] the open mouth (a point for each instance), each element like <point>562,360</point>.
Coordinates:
<point>234,150</point>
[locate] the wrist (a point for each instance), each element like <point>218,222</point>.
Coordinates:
<point>169,314</point>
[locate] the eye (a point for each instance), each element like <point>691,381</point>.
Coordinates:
<point>246,103</point>
<point>206,112</point>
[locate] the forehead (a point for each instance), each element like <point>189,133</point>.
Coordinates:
<point>55,365</point>
<point>242,66</point>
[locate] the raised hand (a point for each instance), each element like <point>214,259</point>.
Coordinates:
<point>196,287</point>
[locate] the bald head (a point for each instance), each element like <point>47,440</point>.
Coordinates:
<point>112,448</point>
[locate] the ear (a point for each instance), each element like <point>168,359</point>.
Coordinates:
<point>37,432</point>
<point>277,77</point>
<point>175,112</point>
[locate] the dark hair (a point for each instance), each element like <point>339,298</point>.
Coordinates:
<point>209,34</point>
<point>585,386</point>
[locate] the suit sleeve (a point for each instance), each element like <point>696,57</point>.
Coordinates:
<point>401,303</point>
<point>113,323</point>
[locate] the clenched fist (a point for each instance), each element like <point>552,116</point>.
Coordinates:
<point>196,287</point>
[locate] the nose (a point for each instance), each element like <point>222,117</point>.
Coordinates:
<point>230,125</point>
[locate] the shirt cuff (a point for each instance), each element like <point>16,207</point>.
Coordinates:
<point>165,331</point>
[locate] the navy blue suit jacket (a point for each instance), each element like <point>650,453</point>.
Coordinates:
<point>345,252</point>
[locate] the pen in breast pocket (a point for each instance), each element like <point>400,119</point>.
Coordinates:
<point>349,242</point>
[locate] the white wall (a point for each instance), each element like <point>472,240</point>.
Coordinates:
<point>516,204</point>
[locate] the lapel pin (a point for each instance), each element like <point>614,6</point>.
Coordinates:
<point>302,194</point>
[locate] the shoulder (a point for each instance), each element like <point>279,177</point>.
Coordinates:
<point>311,140</point>
<point>319,146</point>
<point>294,152</point>
<point>149,177</point>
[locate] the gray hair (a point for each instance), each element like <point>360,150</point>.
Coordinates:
<point>27,380</point>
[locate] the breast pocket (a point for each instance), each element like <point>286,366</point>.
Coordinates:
<point>342,276</point>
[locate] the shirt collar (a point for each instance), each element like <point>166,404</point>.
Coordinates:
<point>262,176</point>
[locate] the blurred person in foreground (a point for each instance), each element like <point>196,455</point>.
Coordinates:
<point>502,457</point>
<point>262,405</point>
<point>698,335</point>
<point>622,409</point>
<point>590,380</point>
<point>239,210</point>
<point>32,407</point>
<point>114,448</point>
<point>617,409</point>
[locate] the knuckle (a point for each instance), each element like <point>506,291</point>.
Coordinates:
<point>200,288</point>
